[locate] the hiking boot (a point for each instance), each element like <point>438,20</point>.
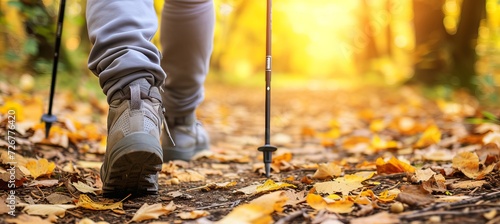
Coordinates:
<point>133,153</point>
<point>189,137</point>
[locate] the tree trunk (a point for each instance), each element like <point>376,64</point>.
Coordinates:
<point>365,41</point>
<point>464,42</point>
<point>430,37</point>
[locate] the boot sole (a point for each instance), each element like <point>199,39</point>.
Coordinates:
<point>133,166</point>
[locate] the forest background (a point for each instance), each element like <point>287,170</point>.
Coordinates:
<point>316,44</point>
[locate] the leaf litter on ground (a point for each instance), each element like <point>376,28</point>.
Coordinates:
<point>363,158</point>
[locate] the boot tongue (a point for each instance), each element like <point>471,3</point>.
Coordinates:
<point>145,89</point>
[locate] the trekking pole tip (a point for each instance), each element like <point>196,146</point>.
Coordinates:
<point>48,119</point>
<point>268,153</point>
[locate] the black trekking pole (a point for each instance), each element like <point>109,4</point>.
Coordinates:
<point>267,148</point>
<point>49,118</point>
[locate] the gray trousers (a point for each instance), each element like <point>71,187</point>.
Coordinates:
<point>121,31</point>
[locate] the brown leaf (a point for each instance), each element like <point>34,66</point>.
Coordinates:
<point>57,198</point>
<point>327,170</point>
<point>468,184</point>
<point>393,166</point>
<point>414,196</point>
<point>436,183</point>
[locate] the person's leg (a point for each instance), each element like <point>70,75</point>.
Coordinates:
<point>129,71</point>
<point>187,29</point>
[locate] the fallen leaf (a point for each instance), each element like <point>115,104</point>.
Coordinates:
<point>387,196</point>
<point>491,214</point>
<point>44,183</point>
<point>57,198</point>
<point>18,177</point>
<point>295,198</point>
<point>431,135</point>
<point>40,167</point>
<point>188,176</point>
<point>378,144</point>
<point>23,218</point>
<point>414,196</point>
<point>85,201</point>
<point>468,184</point>
<point>258,210</point>
<point>468,164</point>
<point>84,188</point>
<point>393,166</point>
<point>3,206</point>
<point>45,209</point>
<point>154,211</point>
<point>317,202</point>
<point>213,186</point>
<point>344,184</point>
<point>70,167</point>
<point>270,185</point>
<point>90,221</point>
<point>437,183</point>
<point>327,170</point>
<point>193,214</point>
<point>423,174</point>
<point>450,199</point>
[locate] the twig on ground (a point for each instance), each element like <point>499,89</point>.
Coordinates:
<point>442,213</point>
<point>232,203</point>
<point>431,210</point>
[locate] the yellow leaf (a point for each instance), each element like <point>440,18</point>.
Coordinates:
<point>378,144</point>
<point>40,167</point>
<point>147,212</point>
<point>431,135</point>
<point>327,170</point>
<point>193,214</point>
<point>317,202</point>
<point>85,201</point>
<point>377,125</point>
<point>393,166</point>
<point>282,156</point>
<point>344,184</point>
<point>257,211</point>
<point>387,196</point>
<point>270,185</point>
<point>468,164</point>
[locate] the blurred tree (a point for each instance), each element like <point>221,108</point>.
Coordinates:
<point>40,28</point>
<point>441,57</point>
<point>369,51</point>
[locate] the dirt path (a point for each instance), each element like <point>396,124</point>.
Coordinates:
<point>332,163</point>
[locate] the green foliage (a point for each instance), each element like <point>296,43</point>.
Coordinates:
<point>30,46</point>
<point>488,117</point>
